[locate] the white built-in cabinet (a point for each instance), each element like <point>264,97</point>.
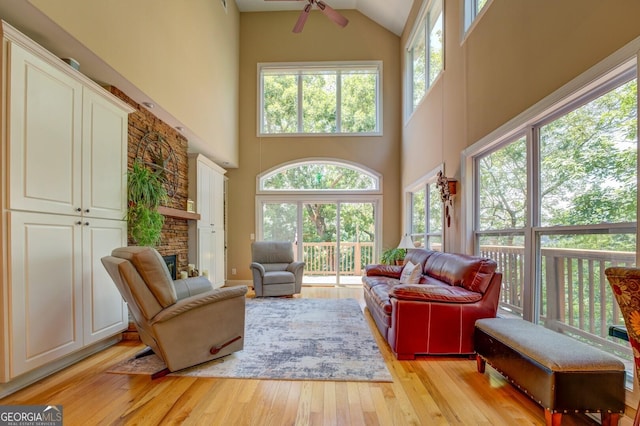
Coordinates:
<point>207,235</point>
<point>64,163</point>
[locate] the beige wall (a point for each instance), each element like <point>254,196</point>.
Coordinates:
<point>520,52</point>
<point>184,57</point>
<point>267,37</point>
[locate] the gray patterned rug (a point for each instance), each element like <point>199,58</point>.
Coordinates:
<point>292,339</point>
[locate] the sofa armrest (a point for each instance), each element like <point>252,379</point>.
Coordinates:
<point>391,271</point>
<point>199,300</point>
<point>295,267</point>
<point>258,267</point>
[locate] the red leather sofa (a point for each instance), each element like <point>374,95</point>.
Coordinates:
<point>437,315</point>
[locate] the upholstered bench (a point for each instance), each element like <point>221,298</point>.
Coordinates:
<point>558,372</point>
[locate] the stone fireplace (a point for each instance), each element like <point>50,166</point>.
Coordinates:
<point>175,236</point>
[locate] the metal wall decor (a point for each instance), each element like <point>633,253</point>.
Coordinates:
<point>447,189</point>
<point>157,154</point>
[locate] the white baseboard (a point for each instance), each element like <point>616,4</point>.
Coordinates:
<point>44,371</point>
<point>233,283</point>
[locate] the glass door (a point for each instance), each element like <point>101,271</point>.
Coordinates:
<point>280,223</point>
<point>335,239</point>
<point>356,243</point>
<point>319,242</point>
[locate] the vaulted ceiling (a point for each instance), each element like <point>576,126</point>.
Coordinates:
<point>391,14</point>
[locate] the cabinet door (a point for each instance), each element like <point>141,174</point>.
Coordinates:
<point>45,287</point>
<point>205,177</point>
<point>218,273</point>
<point>217,199</point>
<point>104,152</point>
<point>209,260</point>
<point>44,136</point>
<point>105,312</point>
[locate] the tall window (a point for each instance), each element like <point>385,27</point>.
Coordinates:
<point>557,204</point>
<point>425,53</point>
<point>330,210</point>
<point>502,215</point>
<point>472,9</point>
<point>319,98</point>
<point>426,216</point>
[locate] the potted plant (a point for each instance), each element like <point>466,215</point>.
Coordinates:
<point>393,256</point>
<point>146,191</point>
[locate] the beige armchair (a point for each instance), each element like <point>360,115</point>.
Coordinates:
<point>205,324</point>
<point>274,271</point>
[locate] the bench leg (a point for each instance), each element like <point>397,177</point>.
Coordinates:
<point>552,419</point>
<point>609,419</point>
<point>480,363</point>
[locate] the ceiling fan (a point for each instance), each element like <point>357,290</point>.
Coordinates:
<point>324,8</point>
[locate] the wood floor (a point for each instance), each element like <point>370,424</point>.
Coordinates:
<point>429,391</point>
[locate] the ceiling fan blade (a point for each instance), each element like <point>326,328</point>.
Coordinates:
<point>302,19</point>
<point>332,14</point>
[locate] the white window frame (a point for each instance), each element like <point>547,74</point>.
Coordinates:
<point>377,177</point>
<point>422,22</point>
<point>562,100</point>
<point>471,15</point>
<point>338,67</point>
<point>423,183</point>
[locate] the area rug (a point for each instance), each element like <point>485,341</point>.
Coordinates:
<point>292,339</point>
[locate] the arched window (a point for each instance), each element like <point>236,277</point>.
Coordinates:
<point>319,175</point>
<point>329,209</point>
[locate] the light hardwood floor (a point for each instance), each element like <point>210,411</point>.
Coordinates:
<point>428,391</point>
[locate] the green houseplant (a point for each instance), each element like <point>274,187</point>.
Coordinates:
<point>393,256</point>
<point>146,191</point>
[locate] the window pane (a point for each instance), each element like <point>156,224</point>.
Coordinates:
<point>503,187</point>
<point>435,209</point>
<point>419,56</point>
<point>319,103</point>
<point>435,48</point>
<point>588,162</point>
<point>280,103</point>
<point>418,240</point>
<point>435,242</point>
<point>418,218</point>
<point>280,221</point>
<point>319,176</point>
<point>508,252</point>
<point>359,102</point>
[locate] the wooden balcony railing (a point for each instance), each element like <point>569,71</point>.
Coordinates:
<point>575,297</point>
<point>320,258</point>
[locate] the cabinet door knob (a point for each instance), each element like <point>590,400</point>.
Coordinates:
<point>78,209</point>
<point>86,223</point>
<point>78,223</point>
<point>86,211</point>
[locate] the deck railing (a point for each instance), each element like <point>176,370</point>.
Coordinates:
<point>320,258</point>
<point>575,296</point>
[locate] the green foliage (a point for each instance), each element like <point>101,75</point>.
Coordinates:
<point>320,102</point>
<point>390,256</point>
<point>146,192</point>
<point>588,168</point>
<point>144,225</point>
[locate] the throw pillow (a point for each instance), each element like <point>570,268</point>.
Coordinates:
<point>410,274</point>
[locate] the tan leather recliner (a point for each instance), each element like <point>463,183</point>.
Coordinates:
<point>274,271</point>
<point>183,332</point>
